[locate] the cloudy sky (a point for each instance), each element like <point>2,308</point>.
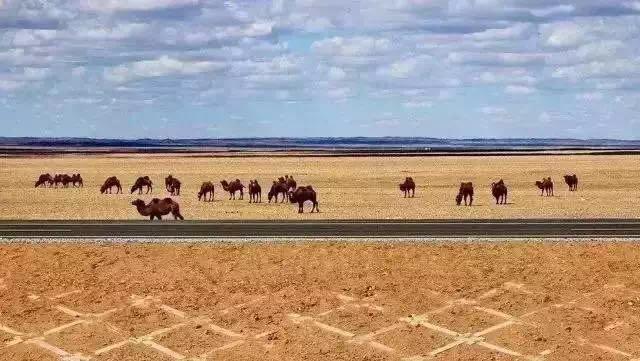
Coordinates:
<point>208,68</point>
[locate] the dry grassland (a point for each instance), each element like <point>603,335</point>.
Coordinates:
<point>348,187</point>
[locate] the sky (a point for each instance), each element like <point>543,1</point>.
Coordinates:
<point>301,68</point>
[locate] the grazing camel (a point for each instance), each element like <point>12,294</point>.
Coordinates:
<point>110,183</point>
<point>142,182</point>
<point>206,188</point>
<point>572,182</point>
<point>466,190</point>
<point>158,208</point>
<point>173,185</point>
<point>499,191</point>
<point>303,194</point>
<point>408,187</point>
<point>76,181</point>
<point>278,187</point>
<point>233,187</point>
<point>546,186</point>
<point>44,179</point>
<point>63,179</point>
<point>255,191</point>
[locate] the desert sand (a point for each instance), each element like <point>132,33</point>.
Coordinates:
<point>348,187</point>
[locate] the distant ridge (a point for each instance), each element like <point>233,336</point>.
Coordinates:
<point>420,143</point>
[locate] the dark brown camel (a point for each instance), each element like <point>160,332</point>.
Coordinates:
<point>44,179</point>
<point>466,190</point>
<point>76,181</point>
<point>173,185</point>
<point>278,187</point>
<point>546,186</point>
<point>110,183</point>
<point>158,208</point>
<point>408,187</point>
<point>499,191</point>
<point>63,179</point>
<point>206,188</point>
<point>233,187</point>
<point>572,182</point>
<point>255,192</point>
<point>291,183</point>
<point>142,182</point>
<point>303,194</point>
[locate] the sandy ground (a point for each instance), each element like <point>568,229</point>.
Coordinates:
<point>351,187</point>
<point>321,301</point>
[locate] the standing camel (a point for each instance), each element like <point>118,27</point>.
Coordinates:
<point>278,187</point>
<point>408,187</point>
<point>546,186</point>
<point>572,182</point>
<point>233,187</point>
<point>466,190</point>
<point>158,208</point>
<point>44,179</point>
<point>110,183</point>
<point>76,181</point>
<point>303,194</point>
<point>255,192</point>
<point>142,182</point>
<point>173,185</point>
<point>206,188</point>
<point>499,191</point>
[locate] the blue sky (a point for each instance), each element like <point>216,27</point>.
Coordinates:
<point>204,68</point>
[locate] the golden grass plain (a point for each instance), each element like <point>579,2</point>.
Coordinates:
<point>348,187</point>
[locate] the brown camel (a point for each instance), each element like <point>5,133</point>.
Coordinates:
<point>206,188</point>
<point>499,191</point>
<point>255,191</point>
<point>408,187</point>
<point>572,182</point>
<point>142,182</point>
<point>173,185</point>
<point>291,183</point>
<point>546,186</point>
<point>466,190</point>
<point>44,179</point>
<point>158,208</point>
<point>233,187</point>
<point>63,179</point>
<point>278,187</point>
<point>110,183</point>
<point>76,181</point>
<point>303,194</point>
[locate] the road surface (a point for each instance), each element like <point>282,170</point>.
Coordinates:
<point>533,228</point>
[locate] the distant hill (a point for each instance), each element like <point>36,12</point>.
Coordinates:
<point>328,143</point>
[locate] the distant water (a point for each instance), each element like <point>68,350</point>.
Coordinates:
<point>403,143</point>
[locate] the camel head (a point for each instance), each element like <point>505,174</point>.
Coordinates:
<point>459,199</point>
<point>138,203</point>
<point>103,188</point>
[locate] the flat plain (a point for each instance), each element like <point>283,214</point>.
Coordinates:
<point>348,187</point>
<point>401,301</point>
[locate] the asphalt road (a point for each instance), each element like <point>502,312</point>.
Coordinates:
<point>533,228</point>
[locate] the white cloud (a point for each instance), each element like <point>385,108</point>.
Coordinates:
<point>564,35</point>
<point>9,85</point>
<point>137,5</point>
<point>162,66</point>
<point>489,110</point>
<point>519,90</point>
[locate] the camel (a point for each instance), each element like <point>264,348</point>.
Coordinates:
<point>63,179</point>
<point>142,182</point>
<point>291,183</point>
<point>546,186</point>
<point>110,183</point>
<point>499,191</point>
<point>233,187</point>
<point>409,186</point>
<point>76,181</point>
<point>572,182</point>
<point>466,190</point>
<point>255,191</point>
<point>278,187</point>
<point>303,194</point>
<point>44,179</point>
<point>206,188</point>
<point>158,208</point>
<point>173,185</point>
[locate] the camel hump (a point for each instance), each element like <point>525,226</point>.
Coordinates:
<point>310,188</point>
<point>168,200</point>
<point>155,200</point>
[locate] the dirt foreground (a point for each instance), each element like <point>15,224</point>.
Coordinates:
<point>320,301</point>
